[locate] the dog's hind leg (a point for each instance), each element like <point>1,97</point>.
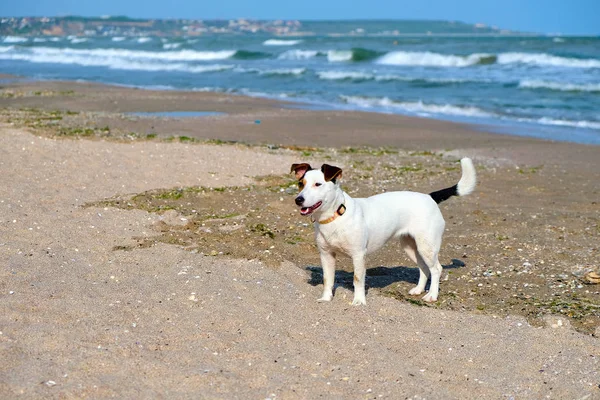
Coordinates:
<point>428,255</point>
<point>328,264</point>
<point>410,247</point>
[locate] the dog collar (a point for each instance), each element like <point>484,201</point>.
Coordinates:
<point>339,212</point>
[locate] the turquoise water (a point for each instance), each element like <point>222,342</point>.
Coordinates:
<point>546,87</point>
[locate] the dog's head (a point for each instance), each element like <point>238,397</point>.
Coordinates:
<point>317,186</point>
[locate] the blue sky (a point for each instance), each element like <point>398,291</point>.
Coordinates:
<point>545,16</point>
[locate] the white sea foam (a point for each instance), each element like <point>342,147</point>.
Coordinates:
<point>344,75</point>
<point>118,59</point>
<point>275,71</point>
<point>561,86</point>
<point>39,40</point>
<point>14,39</point>
<point>51,54</point>
<point>171,46</point>
<point>429,59</point>
<point>279,42</point>
<point>118,39</point>
<point>544,59</point>
<point>78,40</point>
<point>574,124</point>
<point>298,54</point>
<point>339,55</point>
<point>417,107</point>
<point>365,76</point>
<point>144,40</point>
<point>178,67</point>
<point>283,71</point>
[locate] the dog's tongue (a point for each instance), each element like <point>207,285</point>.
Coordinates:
<point>309,210</point>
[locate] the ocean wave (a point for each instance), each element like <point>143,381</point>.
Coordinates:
<point>356,54</point>
<point>560,86</point>
<point>417,107</point>
<point>250,55</point>
<point>118,38</point>
<point>177,67</point>
<point>544,59</point>
<point>279,42</point>
<point>114,60</point>
<point>38,54</point>
<point>171,46</point>
<point>353,55</point>
<point>39,40</point>
<point>14,39</point>
<point>281,71</point>
<point>359,76</point>
<point>298,54</point>
<point>345,75</point>
<point>429,59</point>
<point>78,40</point>
<point>339,55</point>
<point>144,40</point>
<point>568,123</point>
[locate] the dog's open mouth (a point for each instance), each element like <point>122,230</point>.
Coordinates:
<point>310,210</point>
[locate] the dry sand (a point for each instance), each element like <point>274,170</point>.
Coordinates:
<point>80,319</point>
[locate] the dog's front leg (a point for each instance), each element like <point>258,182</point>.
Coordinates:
<point>359,279</point>
<point>328,264</point>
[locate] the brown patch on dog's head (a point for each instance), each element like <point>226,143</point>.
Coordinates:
<point>300,169</point>
<point>331,173</point>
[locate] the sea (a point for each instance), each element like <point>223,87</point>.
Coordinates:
<point>538,86</point>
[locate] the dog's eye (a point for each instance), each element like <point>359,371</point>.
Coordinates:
<point>300,185</point>
<point>318,184</point>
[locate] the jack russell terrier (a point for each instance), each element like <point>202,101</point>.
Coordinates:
<point>357,227</point>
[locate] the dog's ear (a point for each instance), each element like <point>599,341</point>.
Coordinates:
<point>300,169</point>
<point>331,173</point>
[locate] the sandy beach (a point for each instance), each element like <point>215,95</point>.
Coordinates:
<point>150,257</point>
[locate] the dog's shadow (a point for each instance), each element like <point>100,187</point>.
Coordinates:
<point>377,277</point>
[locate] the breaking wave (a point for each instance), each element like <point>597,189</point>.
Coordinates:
<point>276,71</point>
<point>14,39</point>
<point>357,76</point>
<point>429,59</point>
<point>298,54</point>
<point>560,86</point>
<point>543,59</point>
<point>417,107</point>
<point>85,56</point>
<point>279,42</point>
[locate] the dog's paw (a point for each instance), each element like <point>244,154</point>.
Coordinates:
<point>359,301</point>
<point>324,298</point>
<point>430,298</point>
<point>415,291</point>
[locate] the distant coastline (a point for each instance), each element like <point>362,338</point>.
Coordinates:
<point>128,27</point>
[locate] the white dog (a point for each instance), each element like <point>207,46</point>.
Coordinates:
<point>357,227</point>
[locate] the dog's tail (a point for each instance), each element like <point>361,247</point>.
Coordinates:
<point>465,185</point>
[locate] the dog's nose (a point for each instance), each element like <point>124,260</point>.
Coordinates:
<point>299,200</point>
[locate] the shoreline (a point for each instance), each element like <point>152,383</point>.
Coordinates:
<point>519,129</point>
